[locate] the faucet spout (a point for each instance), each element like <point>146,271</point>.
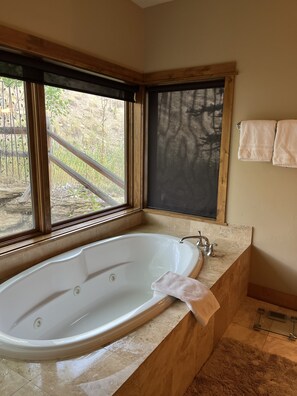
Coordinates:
<point>189,237</point>
<point>202,242</point>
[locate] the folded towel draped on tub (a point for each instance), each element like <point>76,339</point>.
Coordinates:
<point>256,140</point>
<point>199,299</point>
<point>285,145</point>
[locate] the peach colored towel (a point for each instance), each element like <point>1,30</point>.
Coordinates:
<point>256,140</point>
<point>285,145</point>
<point>199,299</point>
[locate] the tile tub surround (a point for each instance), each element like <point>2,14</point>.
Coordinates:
<point>161,356</point>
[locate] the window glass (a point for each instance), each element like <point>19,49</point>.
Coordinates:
<point>185,126</point>
<point>87,154</point>
<point>15,175</point>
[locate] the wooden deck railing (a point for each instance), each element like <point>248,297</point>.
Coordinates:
<point>78,153</point>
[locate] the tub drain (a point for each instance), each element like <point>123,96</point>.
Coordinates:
<point>112,277</point>
<point>37,323</point>
<point>76,290</point>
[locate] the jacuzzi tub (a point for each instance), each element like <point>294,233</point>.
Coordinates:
<point>89,296</point>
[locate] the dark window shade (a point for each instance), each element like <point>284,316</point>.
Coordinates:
<point>44,72</point>
<point>184,138</point>
<point>187,86</point>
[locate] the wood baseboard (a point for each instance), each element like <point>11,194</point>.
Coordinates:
<point>272,296</point>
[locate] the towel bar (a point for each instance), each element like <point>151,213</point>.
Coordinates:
<point>238,125</point>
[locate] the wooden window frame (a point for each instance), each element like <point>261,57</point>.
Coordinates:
<point>226,71</point>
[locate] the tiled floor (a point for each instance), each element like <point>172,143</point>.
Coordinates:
<point>241,329</point>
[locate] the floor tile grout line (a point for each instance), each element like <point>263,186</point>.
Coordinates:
<point>30,382</point>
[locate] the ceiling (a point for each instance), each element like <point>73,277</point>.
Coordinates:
<point>149,3</point>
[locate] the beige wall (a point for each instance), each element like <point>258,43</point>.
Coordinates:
<point>109,29</point>
<point>261,36</point>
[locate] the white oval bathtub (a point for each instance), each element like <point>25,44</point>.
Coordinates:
<point>89,296</point>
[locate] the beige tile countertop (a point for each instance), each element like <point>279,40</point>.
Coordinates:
<point>103,371</point>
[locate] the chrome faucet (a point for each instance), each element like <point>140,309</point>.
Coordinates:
<point>199,237</point>
<point>202,242</point>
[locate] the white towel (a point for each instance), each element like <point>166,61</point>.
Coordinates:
<point>256,140</point>
<point>199,299</point>
<point>285,145</point>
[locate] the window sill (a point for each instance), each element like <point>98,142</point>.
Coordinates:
<point>182,216</point>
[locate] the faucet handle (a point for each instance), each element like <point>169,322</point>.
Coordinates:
<point>210,250</point>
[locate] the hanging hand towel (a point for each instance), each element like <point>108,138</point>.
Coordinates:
<point>256,140</point>
<point>285,145</point>
<point>199,299</point>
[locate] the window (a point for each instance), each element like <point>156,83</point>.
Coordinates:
<point>185,127</point>
<point>86,153</point>
<point>63,145</point>
<point>189,122</point>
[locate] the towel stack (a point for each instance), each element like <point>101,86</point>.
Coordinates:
<point>266,140</point>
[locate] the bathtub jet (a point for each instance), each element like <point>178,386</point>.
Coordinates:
<point>88,297</point>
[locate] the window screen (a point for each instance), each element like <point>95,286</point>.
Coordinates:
<point>184,137</point>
